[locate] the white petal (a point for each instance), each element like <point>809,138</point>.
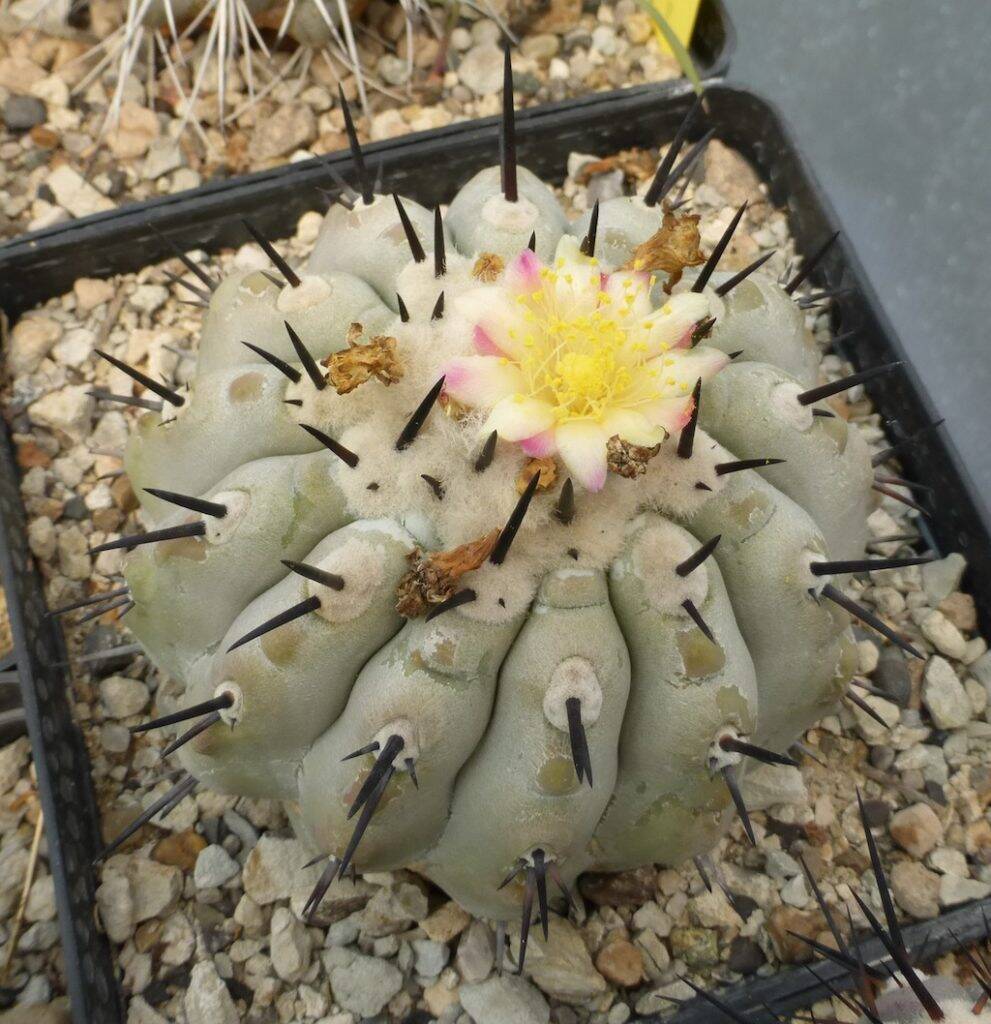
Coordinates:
<point>523,273</point>
<point>582,447</point>
<point>629,293</point>
<point>481,380</point>
<point>670,413</point>
<point>497,313</point>
<point>519,417</point>
<point>679,369</point>
<point>668,326</point>
<point>633,426</point>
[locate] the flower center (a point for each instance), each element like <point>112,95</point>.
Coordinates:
<point>580,364</point>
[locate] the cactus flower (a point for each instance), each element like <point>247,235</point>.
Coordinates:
<point>570,356</point>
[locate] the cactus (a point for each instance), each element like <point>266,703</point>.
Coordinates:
<point>484,553</point>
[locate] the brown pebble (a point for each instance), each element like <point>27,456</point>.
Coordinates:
<point>123,494</point>
<point>620,962</point>
<point>446,922</point>
<point>43,137</point>
<point>635,886</point>
<point>30,455</point>
<point>782,922</point>
<point>179,850</point>
<point>960,610</point>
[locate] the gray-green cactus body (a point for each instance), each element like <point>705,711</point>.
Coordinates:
<point>567,702</point>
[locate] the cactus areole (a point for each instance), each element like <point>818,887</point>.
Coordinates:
<point>494,546</point>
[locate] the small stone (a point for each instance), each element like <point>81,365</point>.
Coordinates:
<point>954,890</point>
<point>916,829</point>
<point>620,962</point>
<point>941,578</point>
<point>91,292</point>
<point>961,610</point>
<point>446,922</point>
<point>730,175</point>
<point>21,113</point>
<point>291,127</point>
<point>948,861</point>
<point>13,760</point>
<point>653,918</point>
<point>745,956</point>
<point>30,341</point>
<point>393,909</point>
<point>915,889</point>
<point>272,868</point>
<point>164,156</point>
<point>122,697</point>
<point>654,954</point>
<point>365,985</point>
<point>481,69</point>
<point>116,907</point>
<point>18,74</point>
<point>135,129</point>
<point>561,965</point>
<point>891,676</point>
<point>869,728</point>
<point>440,997</point>
<point>785,920</point>
<point>476,953</point>
<point>431,957</point>
<point>944,695</point>
<point>698,947</point>
<point>794,892</point>
<point>69,410</point>
<point>540,45</point>
<point>392,69</point>
<point>289,945</point>
<point>943,635</point>
<point>147,298</point>
<point>713,910</point>
<point>180,849</point>
<point>41,900</point>
<point>75,194</point>
<point>626,887</point>
<point>207,1000</point>
<point>214,866</point>
<point>504,1000</point>
<point>769,784</point>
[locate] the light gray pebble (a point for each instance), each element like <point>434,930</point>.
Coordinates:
<point>944,695</point>
<point>505,1000</point>
<point>365,985</point>
<point>214,866</point>
<point>431,957</point>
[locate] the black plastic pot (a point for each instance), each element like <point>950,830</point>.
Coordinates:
<point>428,167</point>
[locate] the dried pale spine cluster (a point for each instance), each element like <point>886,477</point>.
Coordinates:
<point>601,622</point>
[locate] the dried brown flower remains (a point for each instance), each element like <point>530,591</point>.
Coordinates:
<point>434,577</point>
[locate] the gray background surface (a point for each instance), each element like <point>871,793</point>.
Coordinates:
<point>890,100</point>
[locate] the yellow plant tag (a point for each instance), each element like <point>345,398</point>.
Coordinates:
<point>680,15</point>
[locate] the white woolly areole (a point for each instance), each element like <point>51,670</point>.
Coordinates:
<point>515,217</point>
<point>656,552</point>
<point>231,715</point>
<point>573,677</point>
<point>787,407</point>
<point>419,287</point>
<point>362,565</point>
<point>807,557</point>
<point>171,412</point>
<point>254,282</point>
<point>219,530</point>
<point>720,758</point>
<point>311,291</point>
<point>406,731</point>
